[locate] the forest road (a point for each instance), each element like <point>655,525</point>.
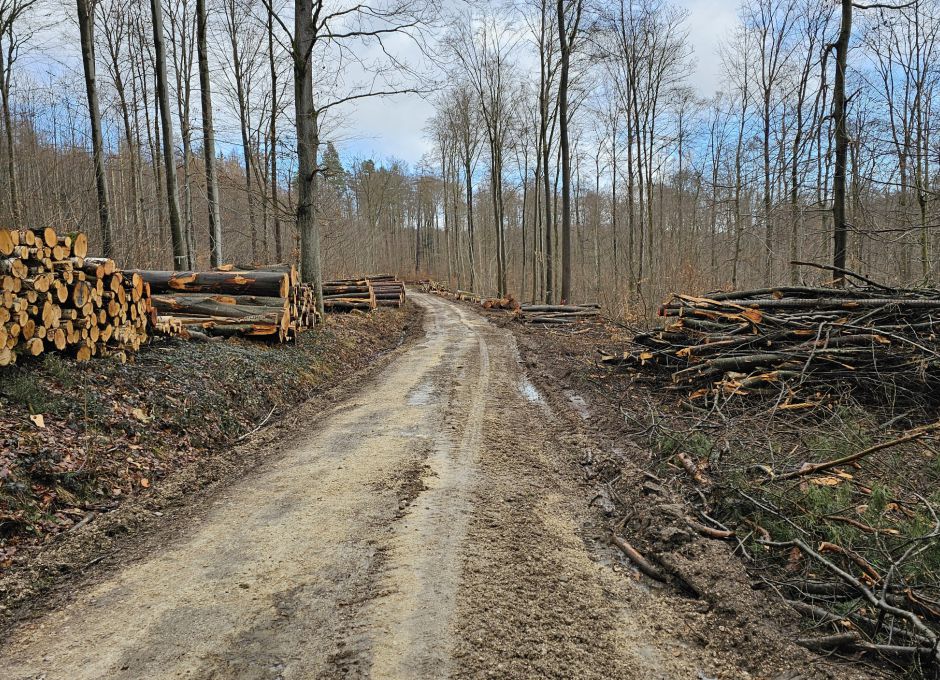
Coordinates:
<point>423,528</point>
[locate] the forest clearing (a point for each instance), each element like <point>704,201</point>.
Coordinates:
<point>485,339</point>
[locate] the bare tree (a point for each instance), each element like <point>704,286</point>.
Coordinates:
<point>182,34</point>
<point>12,34</point>
<point>181,254</point>
<point>208,133</point>
<point>568,15</point>
<point>115,26</point>
<point>484,54</point>
<point>245,43</point>
<point>349,30</point>
<point>275,109</point>
<point>86,25</point>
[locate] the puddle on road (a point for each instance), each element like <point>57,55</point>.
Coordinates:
<point>579,404</point>
<point>420,395</point>
<point>529,391</point>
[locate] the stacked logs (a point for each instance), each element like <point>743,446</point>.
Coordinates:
<point>389,291</point>
<point>305,300</point>
<point>262,302</point>
<point>883,342</point>
<point>346,295</point>
<point>509,303</point>
<point>52,296</point>
<point>559,314</point>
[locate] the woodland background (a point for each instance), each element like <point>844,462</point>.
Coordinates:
<point>669,189</point>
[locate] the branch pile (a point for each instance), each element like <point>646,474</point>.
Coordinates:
<point>263,302</point>
<point>559,314</point>
<point>52,296</point>
<point>879,340</point>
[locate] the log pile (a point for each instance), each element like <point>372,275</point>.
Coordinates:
<point>508,303</point>
<point>265,302</point>
<point>54,297</point>
<point>435,287</point>
<point>364,293</point>
<point>389,291</point>
<point>559,314</point>
<point>879,340</point>
<point>443,290</point>
<point>346,295</point>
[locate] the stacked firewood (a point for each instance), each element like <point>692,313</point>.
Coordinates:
<point>52,296</point>
<point>559,314</point>
<point>364,293</point>
<point>306,300</point>
<point>261,302</point>
<point>879,339</point>
<point>346,295</point>
<point>435,287</point>
<point>389,291</point>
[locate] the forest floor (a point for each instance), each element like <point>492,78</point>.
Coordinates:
<point>438,517</point>
<point>866,513</point>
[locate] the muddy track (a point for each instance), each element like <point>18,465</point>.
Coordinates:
<point>426,527</point>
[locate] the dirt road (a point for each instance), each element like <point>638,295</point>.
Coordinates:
<point>425,528</point>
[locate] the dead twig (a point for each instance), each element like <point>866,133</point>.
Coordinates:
<point>634,555</point>
<point>809,469</point>
<point>867,593</point>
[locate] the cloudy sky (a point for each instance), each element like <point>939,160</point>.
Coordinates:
<point>394,128</point>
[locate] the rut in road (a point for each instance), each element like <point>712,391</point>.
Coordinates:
<point>420,529</point>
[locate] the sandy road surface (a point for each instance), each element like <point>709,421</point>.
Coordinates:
<point>421,529</point>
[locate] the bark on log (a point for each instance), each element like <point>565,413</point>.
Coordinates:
<point>272,284</point>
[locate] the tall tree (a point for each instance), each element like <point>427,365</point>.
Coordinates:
<point>115,28</point>
<point>245,44</point>
<point>182,36</point>
<point>86,26</point>
<point>568,15</point>
<point>275,106</point>
<point>181,254</point>
<point>308,142</point>
<point>352,31</point>
<point>208,133</point>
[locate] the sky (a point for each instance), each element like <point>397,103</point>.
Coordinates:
<point>394,127</point>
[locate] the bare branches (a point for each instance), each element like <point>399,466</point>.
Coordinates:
<point>845,460</point>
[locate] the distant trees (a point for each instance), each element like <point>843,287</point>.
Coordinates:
<point>571,152</point>
<point>786,163</point>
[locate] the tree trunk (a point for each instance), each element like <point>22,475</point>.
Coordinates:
<point>839,227</point>
<point>181,256</point>
<point>208,143</point>
<point>275,213</point>
<point>307,145</point>
<point>86,24</point>
<point>565,44</point>
<point>6,75</point>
